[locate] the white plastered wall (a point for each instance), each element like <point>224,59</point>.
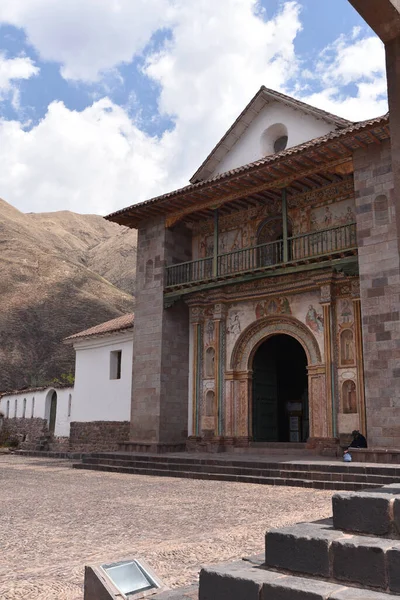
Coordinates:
<point>38,406</point>
<point>96,396</point>
<point>300,126</point>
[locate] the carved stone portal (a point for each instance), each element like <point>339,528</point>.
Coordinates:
<point>239,383</point>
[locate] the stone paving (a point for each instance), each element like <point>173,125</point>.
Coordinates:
<point>56,519</point>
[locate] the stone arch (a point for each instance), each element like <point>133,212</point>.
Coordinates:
<point>258,331</point>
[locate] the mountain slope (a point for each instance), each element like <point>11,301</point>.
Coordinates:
<point>52,285</point>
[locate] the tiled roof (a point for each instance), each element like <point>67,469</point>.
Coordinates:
<point>256,104</point>
<point>27,390</point>
<point>118,324</point>
<point>342,134</point>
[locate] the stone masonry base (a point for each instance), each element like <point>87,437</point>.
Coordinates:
<point>97,436</point>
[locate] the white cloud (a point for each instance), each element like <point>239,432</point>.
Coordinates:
<point>84,161</point>
<point>98,160</point>
<point>357,61</point>
<point>86,36</point>
<point>13,70</point>
<point>217,56</point>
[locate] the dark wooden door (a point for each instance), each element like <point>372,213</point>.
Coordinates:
<point>265,399</point>
<point>53,413</point>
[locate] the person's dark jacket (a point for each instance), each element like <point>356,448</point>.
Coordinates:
<point>359,442</point>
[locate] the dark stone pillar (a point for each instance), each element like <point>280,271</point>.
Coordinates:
<point>377,185</point>
<point>378,239</point>
<point>159,413</point>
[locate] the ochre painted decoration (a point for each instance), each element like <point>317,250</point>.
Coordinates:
<point>314,320</point>
<point>273,306</point>
<point>349,397</point>
<point>210,362</point>
<point>347,350</point>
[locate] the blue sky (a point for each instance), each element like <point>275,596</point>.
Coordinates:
<point>107,102</point>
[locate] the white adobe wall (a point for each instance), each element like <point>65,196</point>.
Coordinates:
<point>96,396</point>
<point>41,406</point>
<point>300,127</point>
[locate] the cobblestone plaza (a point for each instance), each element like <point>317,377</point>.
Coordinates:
<point>56,519</point>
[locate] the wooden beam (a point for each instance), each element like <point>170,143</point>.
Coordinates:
<point>383,16</point>
<point>273,184</point>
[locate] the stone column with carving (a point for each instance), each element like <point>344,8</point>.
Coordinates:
<point>219,366</point>
<point>331,409</point>
<point>359,356</point>
<point>196,352</point>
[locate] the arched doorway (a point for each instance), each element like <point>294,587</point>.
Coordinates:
<point>270,241</point>
<point>51,410</point>
<point>280,391</point>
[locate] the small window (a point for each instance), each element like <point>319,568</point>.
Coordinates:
<point>8,409</point>
<point>280,144</point>
<point>115,364</point>
<point>15,407</point>
<point>24,409</point>
<point>33,407</point>
<point>69,404</point>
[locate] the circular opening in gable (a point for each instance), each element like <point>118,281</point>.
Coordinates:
<point>274,139</point>
<point>280,144</point>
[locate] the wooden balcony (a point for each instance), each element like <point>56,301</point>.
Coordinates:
<point>322,246</point>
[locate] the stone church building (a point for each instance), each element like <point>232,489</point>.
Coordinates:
<point>267,305</point>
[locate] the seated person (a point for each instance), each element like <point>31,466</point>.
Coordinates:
<point>359,441</point>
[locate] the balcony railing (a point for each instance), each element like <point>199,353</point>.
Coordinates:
<point>301,248</point>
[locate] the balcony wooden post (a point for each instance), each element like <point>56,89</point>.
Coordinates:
<point>216,244</point>
<point>285,226</point>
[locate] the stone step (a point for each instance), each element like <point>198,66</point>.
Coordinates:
<point>373,512</point>
<point>338,467</point>
<point>245,469</point>
<point>221,476</point>
<point>318,550</point>
<point>244,581</point>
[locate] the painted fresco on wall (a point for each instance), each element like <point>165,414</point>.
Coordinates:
<point>273,306</point>
<point>332,215</point>
<point>297,305</point>
<point>233,326</point>
<point>314,319</point>
<point>300,218</point>
<point>347,348</point>
<point>345,311</point>
<point>209,331</point>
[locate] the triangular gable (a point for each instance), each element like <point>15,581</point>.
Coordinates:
<point>263,98</point>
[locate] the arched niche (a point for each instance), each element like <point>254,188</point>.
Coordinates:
<point>210,362</point>
<point>209,404</point>
<point>349,397</point>
<point>347,348</point>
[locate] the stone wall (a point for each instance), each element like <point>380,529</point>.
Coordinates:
<point>97,436</point>
<point>161,340</point>
<point>26,431</point>
<point>378,233</point>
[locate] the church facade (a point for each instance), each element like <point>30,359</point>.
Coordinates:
<point>264,308</point>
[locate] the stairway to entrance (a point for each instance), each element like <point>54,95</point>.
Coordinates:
<point>258,469</point>
<point>353,556</point>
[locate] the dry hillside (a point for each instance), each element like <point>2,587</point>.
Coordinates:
<point>59,273</point>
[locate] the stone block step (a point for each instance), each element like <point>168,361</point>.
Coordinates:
<point>274,471</point>
<point>318,550</point>
<point>373,512</point>
<point>243,581</point>
<point>221,476</point>
<point>338,467</point>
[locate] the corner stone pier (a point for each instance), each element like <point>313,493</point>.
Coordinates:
<point>354,556</point>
